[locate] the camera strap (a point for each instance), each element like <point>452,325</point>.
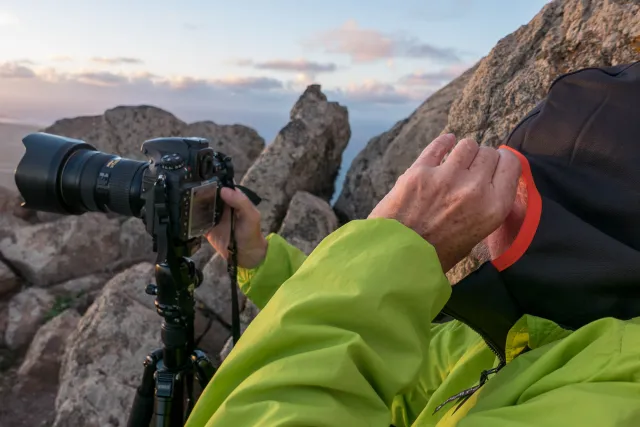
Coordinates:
<point>232,269</point>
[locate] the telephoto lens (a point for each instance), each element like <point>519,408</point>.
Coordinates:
<point>69,176</point>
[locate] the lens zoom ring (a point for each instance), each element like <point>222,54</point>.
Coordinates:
<point>120,183</point>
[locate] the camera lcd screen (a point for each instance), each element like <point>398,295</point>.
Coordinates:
<point>203,205</point>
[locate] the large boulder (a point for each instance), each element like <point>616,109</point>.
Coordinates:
<point>122,130</point>
<point>305,156</point>
<point>309,220</point>
<point>75,246</point>
<point>27,311</point>
<point>41,365</point>
<point>8,280</point>
<point>375,169</point>
<point>565,36</point>
<point>102,364</point>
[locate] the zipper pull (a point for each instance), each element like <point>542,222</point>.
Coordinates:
<point>466,394</point>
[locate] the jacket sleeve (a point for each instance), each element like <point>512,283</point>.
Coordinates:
<point>282,260</point>
<point>348,332</point>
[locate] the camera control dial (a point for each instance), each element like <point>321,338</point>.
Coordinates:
<point>171,162</point>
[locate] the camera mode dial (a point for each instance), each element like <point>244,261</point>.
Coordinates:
<point>171,162</point>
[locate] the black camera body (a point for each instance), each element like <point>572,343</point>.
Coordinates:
<point>192,174</point>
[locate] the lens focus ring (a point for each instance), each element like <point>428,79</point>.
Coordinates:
<point>121,176</point>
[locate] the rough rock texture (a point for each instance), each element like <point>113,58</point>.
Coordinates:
<point>515,76</point>
<point>41,365</point>
<point>136,245</point>
<point>308,221</point>
<point>215,290</point>
<point>8,280</point>
<point>122,130</point>
<point>27,311</point>
<point>305,156</point>
<point>71,247</point>
<point>8,200</point>
<point>79,293</point>
<point>103,360</point>
<point>375,169</point>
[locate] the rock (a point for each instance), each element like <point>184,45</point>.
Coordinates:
<point>102,364</point>
<point>305,156</point>
<point>48,216</point>
<point>122,130</point>
<point>41,365</point>
<point>4,322</point>
<point>249,313</point>
<point>210,333</point>
<point>80,293</point>
<point>8,200</point>
<point>375,169</point>
<point>308,221</point>
<point>75,246</point>
<point>215,290</point>
<point>9,224</point>
<point>27,311</point>
<point>8,280</point>
<point>516,75</point>
<point>202,257</point>
<point>242,143</point>
<point>136,245</point>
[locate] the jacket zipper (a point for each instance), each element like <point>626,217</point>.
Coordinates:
<point>484,375</point>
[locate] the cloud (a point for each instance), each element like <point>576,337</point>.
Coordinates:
<point>117,60</point>
<point>375,92</point>
<point>288,65</point>
<point>16,70</point>
<point>431,79</point>
<point>368,45</point>
<point>8,20</point>
<point>61,58</point>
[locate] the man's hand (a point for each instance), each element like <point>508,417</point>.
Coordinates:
<point>252,246</point>
<point>456,203</point>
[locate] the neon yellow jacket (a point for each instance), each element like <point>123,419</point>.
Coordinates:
<point>346,340</point>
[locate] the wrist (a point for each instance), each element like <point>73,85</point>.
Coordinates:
<point>253,257</point>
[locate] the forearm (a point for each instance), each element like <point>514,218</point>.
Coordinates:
<point>281,262</point>
<point>348,332</point>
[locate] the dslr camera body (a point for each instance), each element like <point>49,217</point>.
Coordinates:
<point>193,174</point>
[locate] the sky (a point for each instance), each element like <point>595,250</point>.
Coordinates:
<point>242,61</point>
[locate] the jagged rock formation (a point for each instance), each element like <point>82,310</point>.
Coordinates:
<point>515,76</point>
<point>305,156</point>
<point>122,130</point>
<point>375,169</point>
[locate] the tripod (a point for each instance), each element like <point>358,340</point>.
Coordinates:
<point>168,377</point>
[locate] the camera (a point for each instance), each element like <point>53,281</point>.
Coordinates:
<point>182,178</point>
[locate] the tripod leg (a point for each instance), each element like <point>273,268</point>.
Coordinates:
<point>142,408</point>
